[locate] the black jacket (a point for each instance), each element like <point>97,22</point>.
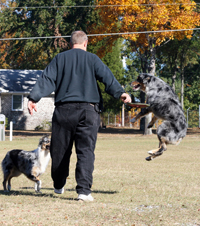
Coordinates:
<point>73,76</point>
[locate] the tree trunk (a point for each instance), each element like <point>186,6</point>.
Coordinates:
<point>142,120</point>
<point>144,65</point>
<point>152,63</point>
<point>173,66</point>
<point>122,115</point>
<point>151,70</point>
<point>182,88</point>
<point>173,81</point>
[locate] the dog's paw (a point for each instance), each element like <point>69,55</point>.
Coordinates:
<point>133,120</point>
<point>38,185</point>
<point>149,158</point>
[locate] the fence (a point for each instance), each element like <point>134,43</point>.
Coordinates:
<point>115,120</point>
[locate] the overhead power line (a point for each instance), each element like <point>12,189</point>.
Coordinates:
<point>107,34</point>
<point>99,6</point>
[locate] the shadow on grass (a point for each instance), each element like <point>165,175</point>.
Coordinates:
<point>73,189</point>
<point>31,192</point>
<point>105,192</point>
<point>34,194</point>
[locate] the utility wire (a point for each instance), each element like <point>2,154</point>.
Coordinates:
<point>107,34</point>
<point>99,6</point>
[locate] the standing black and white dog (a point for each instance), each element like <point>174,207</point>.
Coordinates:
<point>31,163</point>
<point>164,104</point>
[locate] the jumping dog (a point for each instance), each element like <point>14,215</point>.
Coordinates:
<point>165,105</point>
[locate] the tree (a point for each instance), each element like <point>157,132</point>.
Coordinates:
<point>176,56</point>
<point>143,16</point>
<point>192,78</point>
<point>192,97</point>
<point>187,55</point>
<point>51,21</point>
<point>168,56</point>
<point>29,21</point>
<point>4,46</point>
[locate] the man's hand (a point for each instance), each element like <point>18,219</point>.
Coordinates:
<point>32,105</point>
<point>125,98</point>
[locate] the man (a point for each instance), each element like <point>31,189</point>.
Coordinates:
<point>73,76</point>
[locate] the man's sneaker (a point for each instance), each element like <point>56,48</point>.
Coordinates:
<point>83,197</point>
<point>59,191</point>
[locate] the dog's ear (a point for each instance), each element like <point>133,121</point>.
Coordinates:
<point>45,138</point>
<point>40,141</point>
<point>147,79</point>
<point>144,78</point>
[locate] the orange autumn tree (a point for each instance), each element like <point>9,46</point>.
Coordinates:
<point>12,56</point>
<point>3,45</point>
<point>124,16</point>
<point>139,18</point>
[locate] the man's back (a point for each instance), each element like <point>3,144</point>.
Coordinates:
<point>73,76</point>
<point>76,80</point>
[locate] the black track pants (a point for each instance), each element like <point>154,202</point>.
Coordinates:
<point>78,123</point>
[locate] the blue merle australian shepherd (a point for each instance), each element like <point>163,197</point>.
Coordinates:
<point>31,163</point>
<point>165,105</point>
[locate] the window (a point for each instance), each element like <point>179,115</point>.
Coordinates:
<point>17,102</point>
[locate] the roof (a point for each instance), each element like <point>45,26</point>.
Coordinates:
<point>18,80</point>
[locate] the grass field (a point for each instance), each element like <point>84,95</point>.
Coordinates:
<point>127,189</point>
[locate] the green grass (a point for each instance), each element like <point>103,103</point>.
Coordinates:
<point>127,189</point>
